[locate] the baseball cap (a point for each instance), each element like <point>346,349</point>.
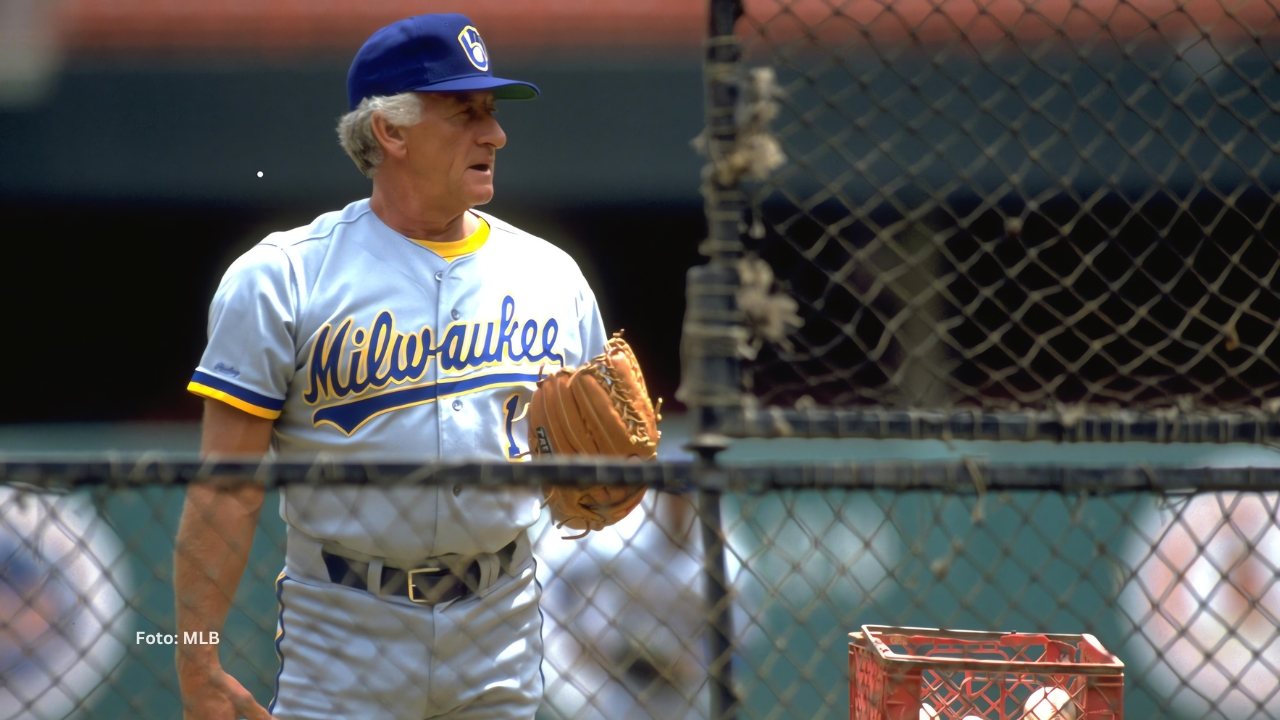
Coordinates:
<point>428,53</point>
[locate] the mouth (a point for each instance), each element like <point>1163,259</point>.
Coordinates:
<point>483,167</point>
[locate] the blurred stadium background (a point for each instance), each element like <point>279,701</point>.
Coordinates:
<point>132,133</point>
<point>129,161</point>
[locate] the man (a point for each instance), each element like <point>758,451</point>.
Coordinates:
<point>404,326</point>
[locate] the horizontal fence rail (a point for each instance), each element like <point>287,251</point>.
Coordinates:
<point>149,471</point>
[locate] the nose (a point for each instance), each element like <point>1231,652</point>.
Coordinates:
<point>492,134</point>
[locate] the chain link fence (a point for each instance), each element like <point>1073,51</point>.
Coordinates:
<point>1173,570</point>
<point>1017,217</point>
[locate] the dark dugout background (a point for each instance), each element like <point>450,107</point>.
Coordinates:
<point>128,182</point>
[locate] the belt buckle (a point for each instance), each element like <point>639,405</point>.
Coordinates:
<point>413,589</point>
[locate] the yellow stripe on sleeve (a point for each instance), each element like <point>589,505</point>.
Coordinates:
<point>196,388</point>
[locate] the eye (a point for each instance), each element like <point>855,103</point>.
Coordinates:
<point>474,112</point>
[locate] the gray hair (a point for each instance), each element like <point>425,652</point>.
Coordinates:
<point>355,129</point>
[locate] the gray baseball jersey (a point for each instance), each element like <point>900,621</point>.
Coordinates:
<point>361,343</point>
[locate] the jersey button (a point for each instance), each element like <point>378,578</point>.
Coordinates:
<point>457,404</point>
<point>455,314</point>
<point>439,275</point>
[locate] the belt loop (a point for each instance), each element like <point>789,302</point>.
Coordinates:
<point>490,570</point>
<point>373,581</point>
<point>520,554</point>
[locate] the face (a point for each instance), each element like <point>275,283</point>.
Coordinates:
<point>451,153</point>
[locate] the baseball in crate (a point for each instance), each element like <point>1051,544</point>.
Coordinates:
<point>599,409</point>
<point>910,673</point>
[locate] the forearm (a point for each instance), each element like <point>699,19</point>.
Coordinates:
<point>214,537</point>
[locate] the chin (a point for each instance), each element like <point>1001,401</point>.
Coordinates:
<point>481,198</point>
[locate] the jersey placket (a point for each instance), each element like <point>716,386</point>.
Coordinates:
<point>447,408</point>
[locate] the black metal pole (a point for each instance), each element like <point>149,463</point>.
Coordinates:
<point>712,330</point>
<point>720,645</point>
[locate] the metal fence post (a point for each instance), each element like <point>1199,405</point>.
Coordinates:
<point>711,386</point>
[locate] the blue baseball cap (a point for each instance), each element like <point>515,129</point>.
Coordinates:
<point>428,53</point>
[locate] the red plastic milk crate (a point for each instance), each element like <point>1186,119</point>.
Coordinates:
<point>909,673</point>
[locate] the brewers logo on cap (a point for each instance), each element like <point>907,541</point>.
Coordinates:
<point>473,46</point>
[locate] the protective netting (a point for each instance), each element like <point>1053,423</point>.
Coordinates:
<point>1172,570</point>
<point>1009,207</point>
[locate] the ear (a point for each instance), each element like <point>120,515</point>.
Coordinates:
<point>390,137</point>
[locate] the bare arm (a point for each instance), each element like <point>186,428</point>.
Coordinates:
<point>212,549</point>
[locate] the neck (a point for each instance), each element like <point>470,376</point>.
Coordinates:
<point>407,215</point>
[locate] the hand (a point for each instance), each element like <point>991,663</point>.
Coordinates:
<point>214,695</point>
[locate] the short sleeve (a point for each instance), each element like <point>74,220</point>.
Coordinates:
<point>590,324</point>
<point>249,359</point>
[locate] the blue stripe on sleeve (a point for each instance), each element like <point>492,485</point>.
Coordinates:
<point>240,393</point>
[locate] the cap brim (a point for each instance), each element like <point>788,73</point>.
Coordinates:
<point>502,88</point>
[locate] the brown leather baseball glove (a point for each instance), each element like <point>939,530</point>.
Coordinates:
<point>599,409</point>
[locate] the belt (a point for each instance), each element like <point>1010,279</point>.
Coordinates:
<point>438,580</point>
